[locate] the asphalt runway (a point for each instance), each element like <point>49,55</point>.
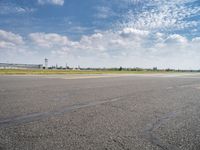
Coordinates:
<point>111,112</point>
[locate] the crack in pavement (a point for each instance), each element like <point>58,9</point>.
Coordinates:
<point>18,120</point>
<point>155,125</point>
<point>150,128</point>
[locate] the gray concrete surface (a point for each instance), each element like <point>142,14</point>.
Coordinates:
<point>60,112</point>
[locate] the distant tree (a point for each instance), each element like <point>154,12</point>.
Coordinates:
<point>120,68</point>
<point>169,70</point>
<point>155,68</point>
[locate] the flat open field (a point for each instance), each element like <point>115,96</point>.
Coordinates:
<point>46,72</point>
<point>107,111</point>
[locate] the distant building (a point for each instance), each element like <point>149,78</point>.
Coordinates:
<point>20,66</point>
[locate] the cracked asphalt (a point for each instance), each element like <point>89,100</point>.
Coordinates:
<point>136,112</point>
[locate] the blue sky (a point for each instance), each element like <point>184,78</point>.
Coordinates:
<point>101,33</point>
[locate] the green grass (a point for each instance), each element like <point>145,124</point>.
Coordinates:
<point>49,72</point>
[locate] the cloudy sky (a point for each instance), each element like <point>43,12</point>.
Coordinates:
<point>101,33</point>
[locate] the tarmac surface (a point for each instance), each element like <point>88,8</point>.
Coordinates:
<point>71,112</point>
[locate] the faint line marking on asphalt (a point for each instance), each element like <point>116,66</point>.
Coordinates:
<point>18,120</point>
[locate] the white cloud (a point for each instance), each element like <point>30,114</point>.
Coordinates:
<point>145,48</point>
<point>9,39</point>
<point>127,32</point>
<point>176,39</point>
<point>14,47</point>
<point>162,15</point>
<point>127,41</point>
<point>13,9</point>
<point>49,40</point>
<point>129,46</point>
<point>53,2</point>
<point>196,40</point>
<point>96,44</point>
<point>53,42</point>
<point>104,12</point>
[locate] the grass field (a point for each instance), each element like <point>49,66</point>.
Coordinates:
<point>46,72</point>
